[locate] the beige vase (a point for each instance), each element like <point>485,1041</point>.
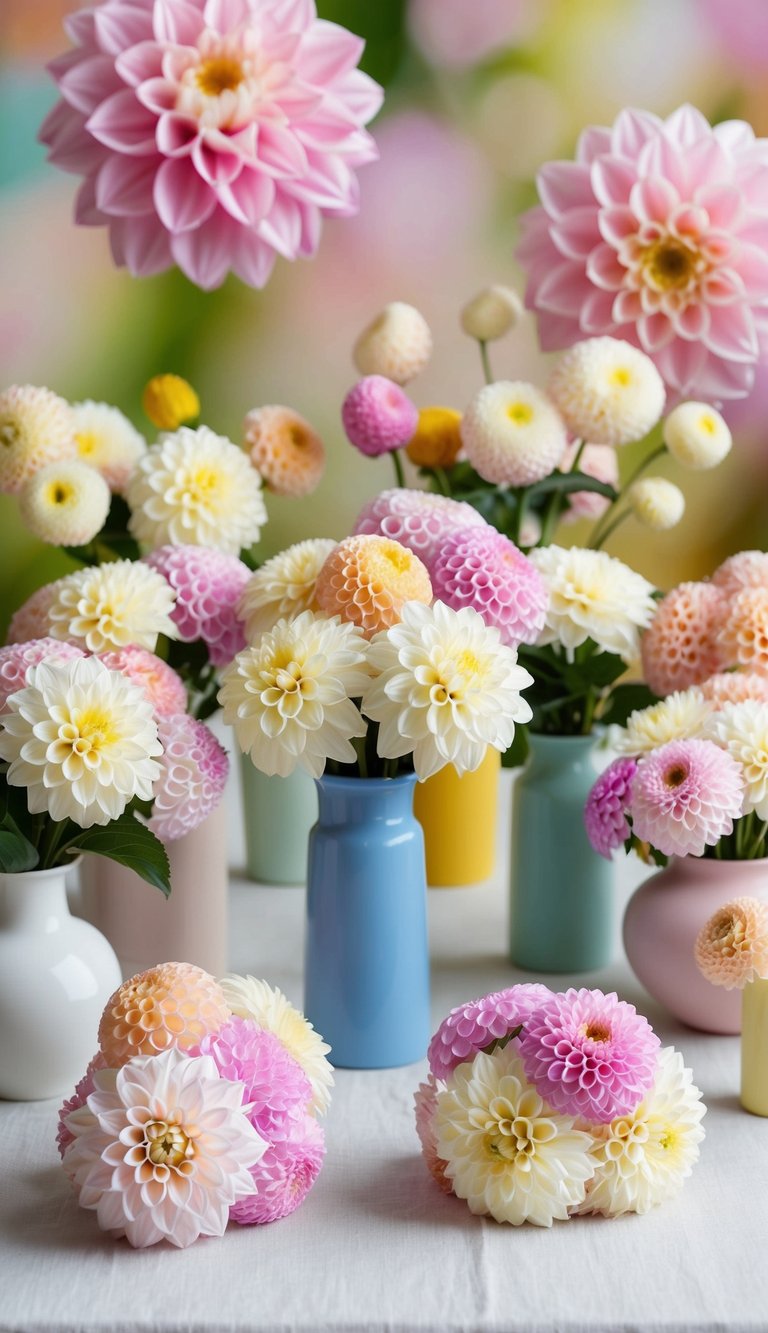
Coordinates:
<point>143,927</point>
<point>754,1047</point>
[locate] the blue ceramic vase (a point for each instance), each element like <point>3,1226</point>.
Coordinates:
<point>277,816</point>
<point>367,957</point>
<point>562,909</point>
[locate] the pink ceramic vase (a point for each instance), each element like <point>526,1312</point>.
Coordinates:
<point>661,923</point>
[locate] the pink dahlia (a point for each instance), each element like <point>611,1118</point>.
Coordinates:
<point>416,519</point>
<point>83,1090</point>
<point>166,690</point>
<point>212,134</point>
<point>378,416</point>
<point>471,1027</point>
<point>193,775</point>
<point>276,1087</point>
<point>30,621</point>
<point>480,567</point>
<point>655,234</point>
<point>208,584</point>
<point>598,461</point>
<point>735,687</point>
<point>605,813</point>
<point>746,569</point>
<point>589,1055</point>
<point>17,658</point>
<point>424,1104</point>
<point>680,646</point>
<point>685,797</point>
<point>284,1176</point>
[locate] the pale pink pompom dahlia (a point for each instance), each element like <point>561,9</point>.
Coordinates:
<point>30,621</point>
<point>480,567</point>
<point>284,1175</point>
<point>746,569</point>
<point>83,1089</point>
<point>211,134</point>
<point>416,519</point>
<point>193,775</point>
<point>685,797</point>
<point>378,416</point>
<point>589,1054</point>
<point>680,646</point>
<point>471,1027</point>
<point>17,658</point>
<point>424,1104</point>
<point>208,584</point>
<point>166,690</point>
<point>656,234</point>
<point>605,813</point>
<point>276,1088</point>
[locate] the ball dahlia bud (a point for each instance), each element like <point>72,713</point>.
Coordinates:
<point>65,504</point>
<point>437,440</point>
<point>396,344</point>
<point>656,502</point>
<point>696,435</point>
<point>377,416</point>
<point>169,401</point>
<point>512,434</point>
<point>492,313</point>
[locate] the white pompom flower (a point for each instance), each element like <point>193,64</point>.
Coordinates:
<point>82,740</point>
<point>491,314</point>
<point>65,504</point>
<point>513,434</point>
<point>593,596</point>
<point>283,586</point>
<point>642,1159</point>
<point>107,441</point>
<point>742,730</point>
<point>446,688</point>
<point>607,391</point>
<point>656,503</point>
<point>266,1005</point>
<point>696,435</point>
<point>396,344</point>
<point>110,606</point>
<point>290,697</point>
<point>195,488</point>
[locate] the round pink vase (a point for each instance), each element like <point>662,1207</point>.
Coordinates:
<point>661,923</point>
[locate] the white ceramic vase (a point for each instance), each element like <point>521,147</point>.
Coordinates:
<point>56,974</point>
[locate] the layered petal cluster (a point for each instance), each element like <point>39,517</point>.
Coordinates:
<point>286,451</point>
<point>285,1174</point>
<point>30,621</point>
<point>276,1088</point>
<point>369,580</point>
<point>207,584</point>
<point>416,519</point>
<point>589,1054</point>
<point>267,1006</point>
<point>290,697</point>
<point>36,427</point>
<point>82,740</point>
<point>283,587</point>
<point>733,687</point>
<point>680,647</point>
<point>481,568</point>
<point>162,1149</point>
<point>111,606</point>
<point>17,658</point>
<point>745,569</point>
<point>425,1105</point>
<point>685,797</point>
<point>593,596</point>
<point>681,716</point>
<point>743,635</point>
<point>193,775</point>
<point>165,689</point>
<point>655,235</point>
<point>742,730</point>
<point>378,416</point>
<point>174,1004</point>
<point>211,134</point>
<point>731,948</point>
<point>107,441</point>
<point>471,1027</point>
<point>605,813</point>
<point>83,1088</point>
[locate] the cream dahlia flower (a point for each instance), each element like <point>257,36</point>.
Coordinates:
<point>36,427</point>
<point>289,698</point>
<point>283,586</point>
<point>162,1149</point>
<point>696,435</point>
<point>107,441</point>
<point>731,949</point>
<point>83,741</point>
<point>492,313</point>
<point>643,1158</point>
<point>513,434</point>
<point>267,1006</point>
<point>680,717</point>
<point>593,596</point>
<point>396,344</point>
<point>656,503</point>
<point>64,504</point>
<point>505,1152</point>
<point>110,606</point>
<point>607,391</point>
<point>446,689</point>
<point>742,730</point>
<point>195,488</point>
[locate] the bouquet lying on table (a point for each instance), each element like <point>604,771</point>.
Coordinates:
<point>200,1106</point>
<point>540,1106</point>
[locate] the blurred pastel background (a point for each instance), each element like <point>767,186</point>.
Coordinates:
<point>479,94</point>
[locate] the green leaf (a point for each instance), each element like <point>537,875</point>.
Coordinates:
<point>131,844</point>
<point>624,700</point>
<point>16,852</point>
<point>517,753</point>
<point>564,483</point>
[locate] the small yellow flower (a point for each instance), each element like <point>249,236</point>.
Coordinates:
<point>437,439</point>
<point>169,401</point>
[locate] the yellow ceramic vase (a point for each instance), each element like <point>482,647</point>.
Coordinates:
<point>754,1047</point>
<point>458,816</point>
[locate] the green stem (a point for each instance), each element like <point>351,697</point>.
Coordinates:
<point>598,537</point>
<point>441,477</point>
<point>759,842</point>
<point>520,512</point>
<point>398,463</point>
<point>550,518</point>
<point>52,836</point>
<point>590,704</point>
<point>577,456</point>
<point>362,761</point>
<point>597,542</point>
<point>486,360</point>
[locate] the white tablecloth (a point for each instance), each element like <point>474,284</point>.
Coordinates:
<point>376,1246</point>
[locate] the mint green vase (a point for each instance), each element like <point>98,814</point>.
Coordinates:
<point>562,910</point>
<point>277,816</point>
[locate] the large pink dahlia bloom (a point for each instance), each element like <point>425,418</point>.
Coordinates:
<point>656,234</point>
<point>685,797</point>
<point>471,1027</point>
<point>212,134</point>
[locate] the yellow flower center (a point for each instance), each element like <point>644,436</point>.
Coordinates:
<point>59,492</point>
<point>520,413</point>
<point>707,424</point>
<point>668,264</point>
<point>202,484</point>
<point>219,74</point>
<point>468,663</point>
<point>167,1143</point>
<point>668,1139</point>
<point>398,557</point>
<point>620,377</point>
<point>596,1031</point>
<point>88,732</point>
<point>86,443</point>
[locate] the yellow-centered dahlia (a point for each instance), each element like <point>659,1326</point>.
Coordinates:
<point>173,1004</point>
<point>731,948</point>
<point>111,606</point>
<point>107,441</point>
<point>36,427</point>
<point>513,435</point>
<point>283,587</point>
<point>607,391</point>
<point>65,504</point>
<point>266,1005</point>
<point>696,435</point>
<point>656,503</point>
<point>285,450</point>
<point>367,580</point>
<point>681,716</point>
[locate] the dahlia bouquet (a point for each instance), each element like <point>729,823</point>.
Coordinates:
<point>542,1106</point>
<point>199,1108</point>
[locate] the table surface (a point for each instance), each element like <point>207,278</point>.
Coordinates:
<point>376,1246</point>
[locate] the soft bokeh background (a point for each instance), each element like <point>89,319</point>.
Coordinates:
<point>479,94</point>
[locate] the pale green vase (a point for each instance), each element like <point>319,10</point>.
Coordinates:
<point>277,815</point>
<point>562,900</point>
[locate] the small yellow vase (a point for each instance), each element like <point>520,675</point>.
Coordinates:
<point>458,816</point>
<point>754,1047</point>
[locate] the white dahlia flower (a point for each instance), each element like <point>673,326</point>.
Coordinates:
<point>111,606</point>
<point>36,427</point>
<point>513,434</point>
<point>267,1006</point>
<point>696,435</point>
<point>107,441</point>
<point>396,344</point>
<point>593,596</point>
<point>283,587</point>
<point>742,730</point>
<point>492,313</point>
<point>681,716</point>
<point>607,391</point>
<point>65,504</point>
<point>656,503</point>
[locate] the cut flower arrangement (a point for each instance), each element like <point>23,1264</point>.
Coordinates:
<point>201,1106</point>
<point>541,1106</point>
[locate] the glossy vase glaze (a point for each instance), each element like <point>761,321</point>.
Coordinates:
<point>277,816</point>
<point>367,957</point>
<point>562,896</point>
<point>754,1047</point>
<point>144,927</point>
<point>56,974</point>
<point>459,817</point>
<point>662,920</point>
